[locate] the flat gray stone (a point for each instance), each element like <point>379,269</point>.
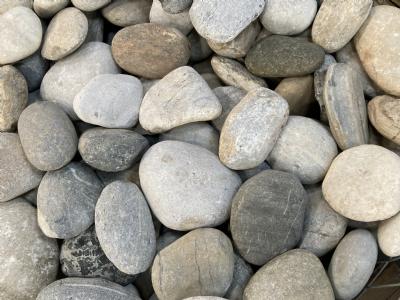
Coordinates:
<point>175,6</point>
<point>48,8</point>
<point>267,215</point>
<point>337,22</point>
<point>323,227</point>
<point>222,20</point>
<point>47,135</point>
<point>304,148</point>
<point>66,200</point>
<point>8,4</point>
<point>352,263</point>
<point>68,76</point>
<point>345,106</point>
<point>200,49</point>
<point>208,267</point>
<point>90,5</point>
<point>242,273</point>
<point>28,259</point>
<point>181,97</point>
<point>20,34</point>
<point>110,100</point>
<point>122,206</point>
<point>296,274</point>
<point>252,128</point>
<point>33,68</point>
<point>126,12</point>
<point>111,150</point>
<point>187,187</point>
<point>13,97</point>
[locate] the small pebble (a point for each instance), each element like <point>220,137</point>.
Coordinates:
<point>48,8</point>
<point>90,5</point>
<point>242,273</point>
<point>33,68</point>
<point>200,49</point>
<point>127,12</point>
<point>175,6</point>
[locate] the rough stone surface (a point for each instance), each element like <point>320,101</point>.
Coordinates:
<point>304,148</point>
<point>282,56</point>
<point>388,236</point>
<point>13,97</point>
<point>122,205</point>
<point>47,135</point>
<point>8,4</point>
<point>48,8</point>
<point>111,150</point>
<point>28,259</point>
<point>252,128</point>
<point>267,215</point>
<point>222,20</point>
<point>337,21</point>
<point>68,76</point>
<point>66,200</point>
<point>242,273</point>
<point>345,106</point>
<point>33,68</point>
<point>179,98</point>
<point>175,6</point>
<point>66,32</point>
<point>127,12</point>
<point>84,289</point>
<point>90,5</point>
<point>323,227</point>
<point>363,183</point>
<point>352,263</point>
<point>110,100</point>
<point>20,34</point>
<point>296,274</point>
<point>187,186</point>
<point>150,50</point>
<point>288,17</point>
<point>207,269</point>
<point>235,74</point>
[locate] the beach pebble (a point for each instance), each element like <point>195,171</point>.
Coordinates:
<point>288,17</point>
<point>68,76</point>
<point>187,186</point>
<point>352,263</point>
<point>337,22</point>
<point>359,178</point>
<point>122,205</point>
<point>48,8</point>
<point>47,135</point>
<point>127,12</point>
<point>66,32</point>
<point>90,5</point>
<point>13,97</point>
<point>388,236</point>
<point>110,100</point>
<point>28,259</point>
<point>252,128</point>
<point>175,6</point>
<point>66,200</point>
<point>242,273</point>
<point>150,50</point>
<point>111,150</point>
<point>208,267</point>
<point>296,274</point>
<point>304,148</point>
<point>267,216</point>
<point>181,97</point>
<point>33,68</point>
<point>8,4</point>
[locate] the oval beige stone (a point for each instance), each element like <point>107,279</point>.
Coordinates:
<point>389,236</point>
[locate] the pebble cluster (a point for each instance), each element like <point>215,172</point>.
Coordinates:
<point>197,149</point>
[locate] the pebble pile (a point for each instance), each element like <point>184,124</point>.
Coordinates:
<point>197,149</point>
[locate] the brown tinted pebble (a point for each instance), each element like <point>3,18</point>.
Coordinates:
<point>127,12</point>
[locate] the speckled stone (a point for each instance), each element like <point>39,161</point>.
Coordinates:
<point>267,215</point>
<point>48,8</point>
<point>47,135</point>
<point>359,178</point>
<point>126,12</point>
<point>33,68</point>
<point>28,259</point>
<point>175,6</point>
<point>296,274</point>
<point>8,4</point>
<point>208,267</point>
<point>90,5</point>
<point>150,50</point>
<point>252,128</point>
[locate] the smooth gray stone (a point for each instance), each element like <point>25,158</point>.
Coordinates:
<point>47,135</point>
<point>247,174</point>
<point>207,269</point>
<point>85,289</point>
<point>204,67</point>
<point>82,256</point>
<point>48,8</point>
<point>33,68</point>
<point>122,206</point>
<point>132,290</point>
<point>127,12</point>
<point>95,28</point>
<point>68,76</point>
<point>267,215</point>
<point>34,97</point>
<point>28,259</point>
<point>175,6</point>
<point>90,5</point>
<point>31,197</point>
<point>242,273</point>
<point>212,80</point>
<point>345,106</point>
<point>66,200</point>
<point>187,186</point>
<point>323,227</point>
<point>147,84</point>
<point>8,4</point>
<point>131,174</point>
<point>167,239</point>
<point>20,34</point>
<point>111,150</point>
<point>200,49</point>
<point>222,20</point>
<point>296,274</point>
<point>352,263</point>
<point>17,175</point>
